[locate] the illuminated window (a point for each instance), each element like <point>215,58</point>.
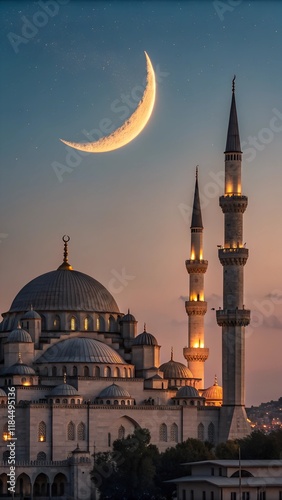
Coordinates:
<point>73,323</point>
<point>163,432</point>
<point>42,431</point>
<point>6,435</point>
<point>86,324</point>
<point>71,431</point>
<point>98,324</point>
<point>57,323</point>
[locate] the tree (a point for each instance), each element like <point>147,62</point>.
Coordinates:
<point>128,472</point>
<point>227,451</point>
<point>260,446</point>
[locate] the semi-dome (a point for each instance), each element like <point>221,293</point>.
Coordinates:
<point>2,393</point>
<point>64,390</point>
<point>19,369</point>
<point>187,392</point>
<point>214,392</point>
<point>80,350</point>
<point>64,290</point>
<point>19,335</point>
<point>114,391</point>
<point>175,370</point>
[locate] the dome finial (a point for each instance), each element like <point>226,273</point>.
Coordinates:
<point>19,326</point>
<point>171,353</point>
<point>233,84</point>
<point>65,378</point>
<point>144,327</point>
<point>20,358</point>
<point>215,380</point>
<point>65,264</point>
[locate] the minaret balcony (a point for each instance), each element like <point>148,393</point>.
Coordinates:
<point>233,317</point>
<point>237,256</point>
<point>196,353</point>
<point>196,307</point>
<point>196,266</point>
<point>233,203</point>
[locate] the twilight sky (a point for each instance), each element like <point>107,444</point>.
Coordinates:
<point>72,67</point>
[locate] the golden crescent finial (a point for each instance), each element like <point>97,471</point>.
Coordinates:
<point>65,264</point>
<point>144,327</point>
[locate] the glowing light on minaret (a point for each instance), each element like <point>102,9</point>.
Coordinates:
<point>196,353</point>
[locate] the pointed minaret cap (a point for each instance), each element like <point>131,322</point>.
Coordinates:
<point>233,144</point>
<point>196,214</point>
<point>65,265</point>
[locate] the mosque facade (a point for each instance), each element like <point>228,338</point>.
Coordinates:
<point>83,376</point>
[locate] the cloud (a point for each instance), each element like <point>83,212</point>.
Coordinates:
<point>183,298</point>
<point>273,322</point>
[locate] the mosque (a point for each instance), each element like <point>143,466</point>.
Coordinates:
<point>83,375</point>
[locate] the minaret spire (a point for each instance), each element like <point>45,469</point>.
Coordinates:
<point>233,317</point>
<point>233,144</point>
<point>196,307</point>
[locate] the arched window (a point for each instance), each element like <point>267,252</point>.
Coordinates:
<point>72,401</point>
<point>129,373</point>
<point>64,370</point>
<point>86,371</point>
<point>42,431</point>
<point>201,432</point>
<point>41,456</point>
<point>101,323</point>
<point>71,431</point>
<point>124,372</point>
<point>87,323</point>
<point>6,455</point>
<point>122,402</point>
<point>6,435</point>
<point>115,402</point>
<point>163,432</point>
<point>98,324</point>
<point>74,371</point>
<point>121,432</point>
<point>57,323</point>
<point>57,400</point>
<point>211,432</point>
<point>81,432</point>
<point>23,380</point>
<point>54,371</point>
<point>97,371</point>
<point>112,324</point>
<point>174,433</point>
<point>116,372</point>
<point>65,401</point>
<point>73,323</point>
<point>43,322</point>
<point>107,371</point>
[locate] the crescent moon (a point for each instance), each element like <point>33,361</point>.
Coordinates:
<point>132,127</point>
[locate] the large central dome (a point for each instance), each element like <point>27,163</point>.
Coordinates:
<point>64,290</point>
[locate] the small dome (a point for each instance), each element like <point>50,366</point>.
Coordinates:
<point>114,391</point>
<point>145,338</point>
<point>81,350</point>
<point>19,369</point>
<point>175,370</point>
<point>31,314</point>
<point>127,318</point>
<point>187,392</point>
<point>64,390</point>
<point>19,335</point>
<point>213,392</point>
<point>2,393</point>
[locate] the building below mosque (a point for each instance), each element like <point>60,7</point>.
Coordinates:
<point>83,375</point>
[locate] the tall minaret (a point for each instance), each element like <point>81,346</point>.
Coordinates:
<point>196,307</point>
<point>233,317</point>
